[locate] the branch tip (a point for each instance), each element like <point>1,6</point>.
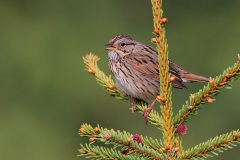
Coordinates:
<point>211,81</point>
<point>92,139</point>
<point>156,31</point>
<point>96,130</point>
<point>210,100</point>
<point>161,99</point>
<point>82,151</point>
<point>171,79</point>
<point>81,130</point>
<point>163,21</point>
<point>153,40</point>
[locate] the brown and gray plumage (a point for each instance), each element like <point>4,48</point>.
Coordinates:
<point>135,68</point>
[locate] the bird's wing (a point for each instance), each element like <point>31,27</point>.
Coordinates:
<point>146,63</point>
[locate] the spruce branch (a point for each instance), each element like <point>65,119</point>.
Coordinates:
<point>144,147</point>
<point>96,152</point>
<point>212,146</point>
<point>153,143</point>
<point>106,81</point>
<point>205,95</point>
<point>165,86</point>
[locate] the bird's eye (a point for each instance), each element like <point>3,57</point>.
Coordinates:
<point>122,44</point>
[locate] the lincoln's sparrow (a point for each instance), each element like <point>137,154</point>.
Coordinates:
<point>135,68</point>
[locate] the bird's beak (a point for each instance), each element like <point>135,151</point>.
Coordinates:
<point>110,46</point>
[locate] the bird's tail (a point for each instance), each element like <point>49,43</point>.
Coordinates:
<point>189,77</point>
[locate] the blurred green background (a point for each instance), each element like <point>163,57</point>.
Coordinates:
<point>45,95</point>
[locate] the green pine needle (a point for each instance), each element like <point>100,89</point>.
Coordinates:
<point>213,146</point>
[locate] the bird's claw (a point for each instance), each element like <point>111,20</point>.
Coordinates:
<point>147,111</point>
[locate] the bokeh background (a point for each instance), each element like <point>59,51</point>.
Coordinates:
<point>45,95</point>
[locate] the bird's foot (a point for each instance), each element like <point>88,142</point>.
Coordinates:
<point>147,111</point>
<point>134,104</point>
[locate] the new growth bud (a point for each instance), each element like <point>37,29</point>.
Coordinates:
<point>176,149</point>
<point>192,96</point>
<point>154,40</point>
<point>86,56</point>
<point>91,139</point>
<point>162,149</point>
<point>210,100</point>
<point>81,130</point>
<point>161,99</point>
<point>156,31</point>
<point>171,79</point>
<point>235,135</point>
<point>163,21</point>
<point>228,75</point>
<point>211,82</point>
<point>90,71</point>
<point>82,151</point>
<point>129,140</point>
<point>110,87</point>
<point>96,130</point>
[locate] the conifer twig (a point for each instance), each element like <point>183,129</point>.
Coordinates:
<point>212,146</point>
<point>143,147</point>
<point>165,86</point>
<point>97,152</point>
<point>202,96</point>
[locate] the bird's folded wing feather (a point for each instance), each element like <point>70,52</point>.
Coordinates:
<point>146,63</point>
